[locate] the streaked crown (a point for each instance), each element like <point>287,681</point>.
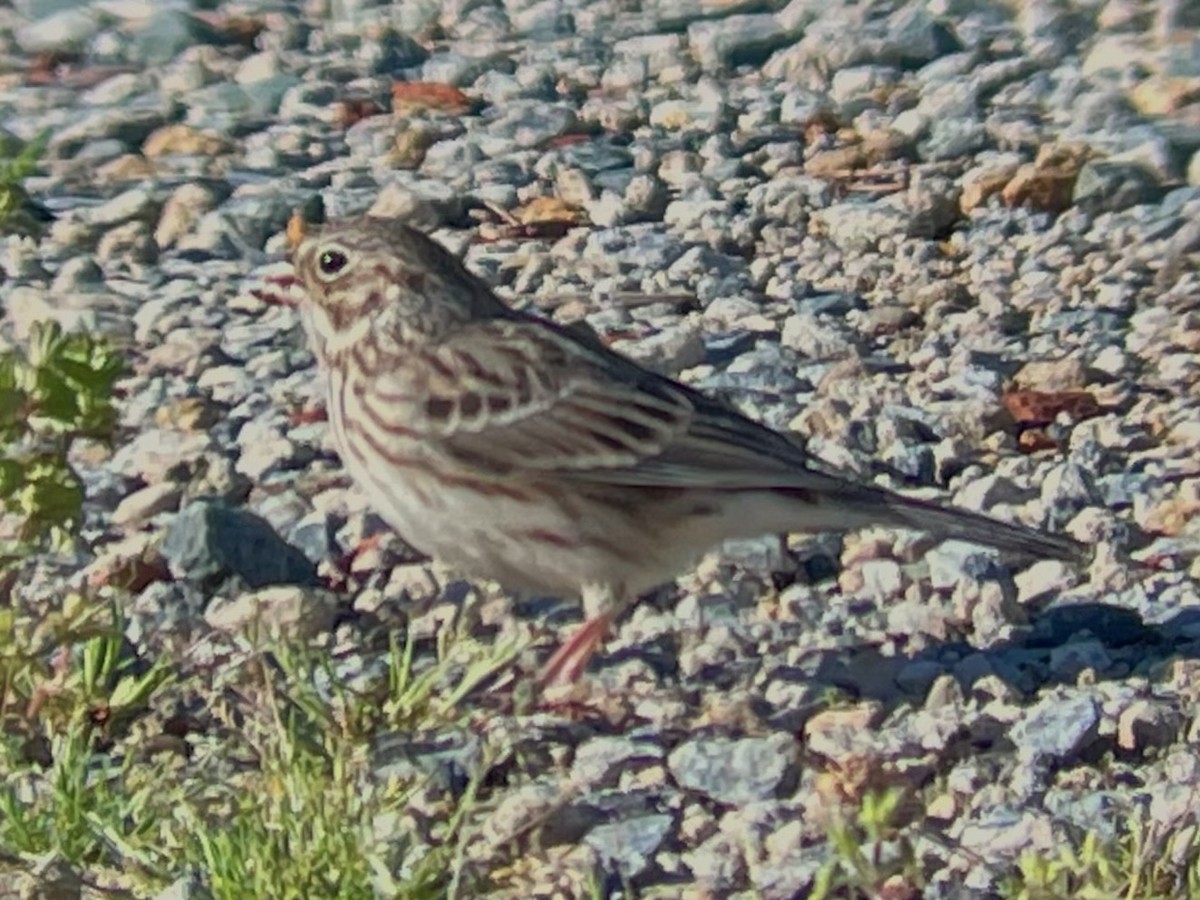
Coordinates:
<point>367,275</point>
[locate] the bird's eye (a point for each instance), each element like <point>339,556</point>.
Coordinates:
<point>332,261</point>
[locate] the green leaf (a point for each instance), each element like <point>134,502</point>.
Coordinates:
<point>51,498</point>
<point>45,338</point>
<point>56,391</point>
<point>57,398</point>
<point>12,477</point>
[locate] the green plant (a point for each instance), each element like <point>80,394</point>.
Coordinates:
<point>53,715</point>
<point>19,214</point>
<point>56,392</point>
<point>90,679</point>
<point>871,856</point>
<point>1145,862</point>
<point>286,804</point>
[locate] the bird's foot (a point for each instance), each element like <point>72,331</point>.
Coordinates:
<point>572,658</point>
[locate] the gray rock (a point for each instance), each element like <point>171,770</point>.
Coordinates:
<point>1113,626</point>
<point>130,124</point>
<point>601,761</point>
<point>916,677</point>
<point>79,273</point>
<point>147,503</point>
<point>1147,725</point>
<point>167,33</point>
<point>645,199</point>
<point>209,542</point>
<point>708,113</point>
<point>913,37</point>
<point>1004,833</point>
<point>282,611</point>
<point>737,40</point>
<point>631,843</point>
<point>952,138</point>
<point>656,52</point>
<point>66,30</point>
<point>857,227</point>
<point>389,53</point>
<point>1107,186</point>
<point>718,864</point>
<point>859,83</point>
<point>818,337</point>
<point>313,535</point>
<point>1058,728</point>
<point>736,771</point>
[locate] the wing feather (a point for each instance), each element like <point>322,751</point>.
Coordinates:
<point>522,395</point>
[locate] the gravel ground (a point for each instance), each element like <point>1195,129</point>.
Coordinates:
<point>951,244</point>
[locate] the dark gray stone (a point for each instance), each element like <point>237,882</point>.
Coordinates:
<point>209,542</point>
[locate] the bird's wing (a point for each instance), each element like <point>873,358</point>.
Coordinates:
<point>518,396</point>
<point>511,395</point>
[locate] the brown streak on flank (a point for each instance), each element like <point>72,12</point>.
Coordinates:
<point>546,536</point>
<point>395,429</point>
<point>486,488</point>
<point>594,539</point>
<point>478,485</point>
<point>390,456</point>
<point>397,461</point>
<point>383,396</point>
<point>421,494</point>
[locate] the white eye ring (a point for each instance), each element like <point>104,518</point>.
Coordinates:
<point>332,262</point>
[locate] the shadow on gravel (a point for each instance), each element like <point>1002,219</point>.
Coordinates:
<point>1054,648</point>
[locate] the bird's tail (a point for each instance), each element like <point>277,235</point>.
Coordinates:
<point>866,505</point>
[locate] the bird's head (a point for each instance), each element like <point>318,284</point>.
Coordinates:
<point>367,278</point>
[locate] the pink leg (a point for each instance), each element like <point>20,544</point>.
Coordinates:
<point>570,660</point>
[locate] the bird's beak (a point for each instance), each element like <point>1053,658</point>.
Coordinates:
<point>297,227</point>
<point>281,287</point>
